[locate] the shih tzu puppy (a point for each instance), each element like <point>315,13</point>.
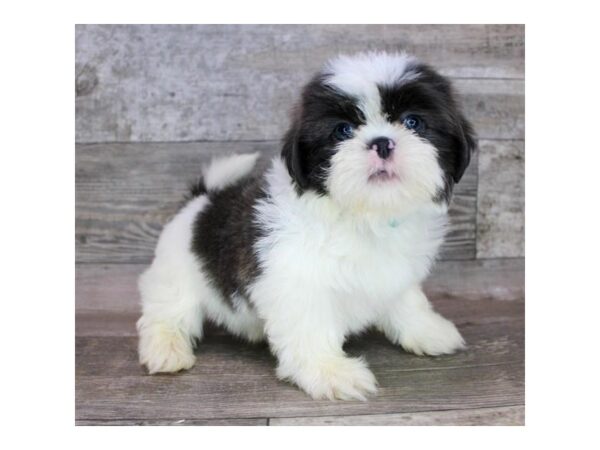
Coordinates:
<point>331,237</point>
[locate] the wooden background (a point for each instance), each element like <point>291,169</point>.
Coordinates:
<point>153,103</point>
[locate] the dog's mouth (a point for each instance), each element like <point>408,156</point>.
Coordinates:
<point>381,170</point>
<point>383,175</point>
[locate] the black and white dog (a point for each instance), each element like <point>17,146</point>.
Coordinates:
<point>335,235</point>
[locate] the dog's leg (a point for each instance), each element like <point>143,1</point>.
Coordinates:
<point>307,340</point>
<point>171,291</point>
<point>170,323</point>
<point>412,323</point>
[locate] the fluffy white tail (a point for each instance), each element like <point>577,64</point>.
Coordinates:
<point>225,171</point>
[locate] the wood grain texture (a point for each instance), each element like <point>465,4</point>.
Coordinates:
<point>495,107</point>
<point>492,279</point>
<point>509,415</point>
<point>180,422</point>
<point>125,193</point>
<point>233,379</point>
<point>501,200</point>
<point>237,82</point>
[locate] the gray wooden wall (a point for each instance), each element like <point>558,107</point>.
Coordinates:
<point>153,103</point>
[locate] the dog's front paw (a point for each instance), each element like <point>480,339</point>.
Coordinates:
<point>433,335</point>
<point>334,378</point>
<point>163,348</point>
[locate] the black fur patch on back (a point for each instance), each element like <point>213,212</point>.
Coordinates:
<point>225,232</point>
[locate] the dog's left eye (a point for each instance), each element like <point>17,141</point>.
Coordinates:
<point>343,131</point>
<point>413,122</point>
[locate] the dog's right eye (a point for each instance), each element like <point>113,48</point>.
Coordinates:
<point>343,131</point>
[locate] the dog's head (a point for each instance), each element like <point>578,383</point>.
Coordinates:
<point>378,132</point>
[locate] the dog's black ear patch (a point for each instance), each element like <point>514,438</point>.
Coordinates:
<point>309,143</point>
<point>467,144</point>
<point>292,158</point>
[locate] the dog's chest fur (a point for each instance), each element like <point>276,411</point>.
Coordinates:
<point>359,262</point>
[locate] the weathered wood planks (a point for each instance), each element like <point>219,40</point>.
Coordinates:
<point>503,416</point>
<point>233,382</point>
<point>237,82</point>
<point>173,422</point>
<point>501,200</point>
<point>125,193</point>
<point>482,279</point>
<point>233,379</point>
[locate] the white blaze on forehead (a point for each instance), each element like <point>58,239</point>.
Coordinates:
<point>360,75</point>
<point>353,73</point>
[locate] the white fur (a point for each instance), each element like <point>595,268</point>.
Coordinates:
<point>328,273</point>
<point>358,74</point>
<point>414,325</point>
<point>223,172</point>
<point>176,295</point>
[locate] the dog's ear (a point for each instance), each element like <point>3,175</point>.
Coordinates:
<point>466,145</point>
<point>292,156</point>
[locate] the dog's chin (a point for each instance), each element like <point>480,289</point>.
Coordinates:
<point>380,193</point>
<point>383,173</point>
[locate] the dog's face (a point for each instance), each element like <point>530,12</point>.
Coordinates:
<point>378,132</point>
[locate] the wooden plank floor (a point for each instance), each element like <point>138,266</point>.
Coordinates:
<point>233,383</point>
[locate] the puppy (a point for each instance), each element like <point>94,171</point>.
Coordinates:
<point>331,237</point>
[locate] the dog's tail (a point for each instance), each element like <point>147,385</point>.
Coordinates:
<point>222,172</point>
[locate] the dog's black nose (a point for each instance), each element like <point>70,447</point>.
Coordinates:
<point>383,146</point>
